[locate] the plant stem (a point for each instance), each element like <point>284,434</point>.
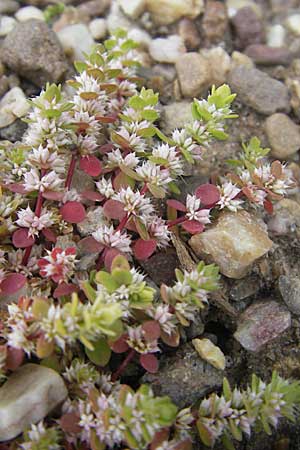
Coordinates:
<point>177,221</point>
<point>123,366</point>
<point>70,172</point>
<point>123,222</point>
<point>144,189</point>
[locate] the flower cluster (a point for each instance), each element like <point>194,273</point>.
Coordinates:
<point>41,438</point>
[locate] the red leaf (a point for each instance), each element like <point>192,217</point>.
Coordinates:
<point>144,249</point>
<point>65,289</point>
<point>17,188</point>
<point>176,205</point>
<point>268,206</point>
<point>109,257</point>
<point>90,165</point>
<point>151,329</point>
<point>208,193</point>
<point>193,227</point>
<point>73,212</point>
<point>69,422</point>
<point>90,245</point>
<point>120,345</point>
<point>93,196</point>
<point>14,358</point>
<point>106,148</point>
<point>12,283</point>
<point>49,235</point>
<point>149,362</point>
<point>114,209</point>
<point>159,438</point>
<point>21,238</point>
<point>53,195</point>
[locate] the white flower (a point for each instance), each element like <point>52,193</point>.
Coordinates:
<point>45,159</point>
<point>174,162</point>
<point>228,192</point>
<point>111,238</point>
<point>33,182</point>
<point>159,230</point>
<point>105,187</point>
<point>71,195</point>
<point>194,212</point>
<point>28,219</point>
<point>116,159</point>
<point>135,203</point>
<point>153,174</point>
<point>135,142</point>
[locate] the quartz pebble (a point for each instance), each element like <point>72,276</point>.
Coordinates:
<point>98,28</point>
<point>293,24</point>
<point>29,12</point>
<point>116,19</point>
<point>240,59</point>
<point>13,105</point>
<point>76,40</point>
<point>276,36</point>
<point>133,8</point>
<point>194,75</point>
<point>261,323</point>
<point>167,50</point>
<point>7,24</point>
<point>30,393</point>
<point>140,36</point>
<point>210,352</point>
<point>234,243</point>
<point>283,135</point>
<point>165,12</point>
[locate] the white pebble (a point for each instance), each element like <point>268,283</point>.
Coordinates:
<point>29,12</point>
<point>293,24</point>
<point>276,36</point>
<point>98,28</point>
<point>6,25</point>
<point>167,50</point>
<point>133,8</point>
<point>140,36</point>
<point>12,106</point>
<point>76,39</point>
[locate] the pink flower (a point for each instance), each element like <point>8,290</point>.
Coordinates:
<point>58,264</point>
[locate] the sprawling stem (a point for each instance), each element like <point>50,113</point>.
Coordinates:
<point>123,366</point>
<point>177,221</point>
<point>71,171</point>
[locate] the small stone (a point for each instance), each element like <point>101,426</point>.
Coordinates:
<point>248,28</point>
<point>140,36</point>
<point>234,6</point>
<point>4,85</point>
<point>32,50</point>
<point>28,395</point>
<point>76,40</point>
<point>215,21</point>
<point>94,8</point>
<point>269,56</point>
<point>7,24</point>
<point>240,59</point>
<point>210,352</point>
<point>133,8</point>
<point>245,288</point>
<point>258,90</point>
<point>93,220</point>
<point>175,115</point>
<point>167,50</point>
<point>286,218</point>
<point>165,12</point>
<point>184,377</point>
<point>276,36</point>
<point>14,132</point>
<point>12,106</point>
<point>194,74</point>
<point>283,135</point>
<point>70,16</point>
<point>98,28</point>
<point>293,24</point>
<point>116,19</point>
<point>234,243</point>
<point>261,323</point>
<point>187,30</point>
<point>289,288</point>
<point>8,6</point>
<point>219,63</point>
<point>29,12</point>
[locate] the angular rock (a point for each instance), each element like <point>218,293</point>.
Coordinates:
<point>261,323</point>
<point>167,50</point>
<point>32,50</point>
<point>215,21</point>
<point>258,90</point>
<point>188,31</point>
<point>269,56</point>
<point>175,115</point>
<point>93,220</point>
<point>194,74</point>
<point>210,352</point>
<point>248,28</point>
<point>165,12</point>
<point>13,106</point>
<point>27,397</point>
<point>29,12</point>
<point>286,218</point>
<point>76,40</point>
<point>283,135</point>
<point>289,287</point>
<point>234,243</point>
<point>184,377</point>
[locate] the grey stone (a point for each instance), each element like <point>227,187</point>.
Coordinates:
<point>258,90</point>
<point>269,56</point>
<point>261,323</point>
<point>215,21</point>
<point>286,218</point>
<point>283,135</point>
<point>14,132</point>
<point>30,393</point>
<point>32,50</point>
<point>289,287</point>
<point>248,28</point>
<point>8,6</point>
<point>175,115</point>
<point>184,377</point>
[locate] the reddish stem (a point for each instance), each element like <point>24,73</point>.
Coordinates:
<point>100,259</point>
<point>177,221</point>
<point>123,366</point>
<point>144,190</point>
<point>123,222</point>
<point>70,172</point>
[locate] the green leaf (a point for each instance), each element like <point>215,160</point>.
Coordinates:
<point>122,276</point>
<point>80,66</point>
<point>157,191</point>
<point>107,281</point>
<point>227,389</point>
<point>141,229</point>
<point>137,103</point>
<point>89,291</point>
<point>150,114</point>
<point>205,435</point>
<point>146,132</point>
<point>101,353</point>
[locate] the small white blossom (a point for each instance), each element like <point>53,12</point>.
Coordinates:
<point>33,182</point>
<point>105,187</point>
<point>116,159</point>
<point>174,161</point>
<point>111,238</point>
<point>46,160</point>
<point>159,230</point>
<point>228,192</point>
<point>28,219</point>
<point>135,203</point>
<point>194,212</point>
<point>153,174</point>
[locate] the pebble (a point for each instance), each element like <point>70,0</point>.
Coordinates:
<point>14,132</point>
<point>194,75</point>
<point>12,106</point>
<point>140,36</point>
<point>293,24</point>
<point>98,28</point>
<point>289,287</point>
<point>215,21</point>
<point>261,323</point>
<point>283,135</point>
<point>116,19</point>
<point>175,115</point>
<point>165,12</point>
<point>233,6</point>
<point>8,6</point>
<point>167,50</point>
<point>258,90</point>
<point>234,243</point>
<point>210,352</point>
<point>286,218</point>
<point>276,36</point>
<point>133,8</point>
<point>248,28</point>
<point>76,40</point>
<point>69,17</point>
<point>29,12</point>
<point>188,31</point>
<point>269,56</point>
<point>7,24</point>
<point>184,377</point>
<point>240,59</point>
<point>93,220</point>
<point>28,395</point>
<point>32,50</point>
<point>94,8</point>
<point>219,63</point>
